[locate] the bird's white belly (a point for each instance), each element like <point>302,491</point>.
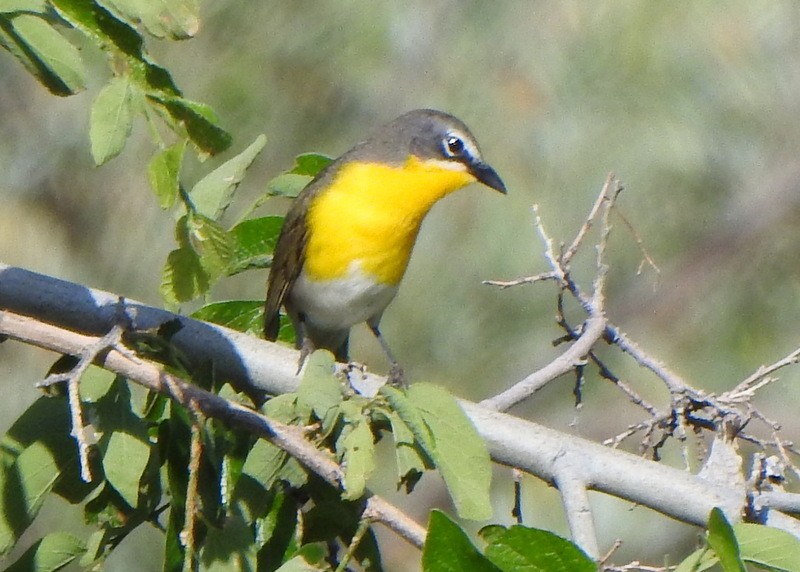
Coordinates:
<point>341,303</point>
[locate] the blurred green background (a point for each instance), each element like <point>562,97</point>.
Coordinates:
<point>695,106</point>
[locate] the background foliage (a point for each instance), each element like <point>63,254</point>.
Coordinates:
<point>694,106</point>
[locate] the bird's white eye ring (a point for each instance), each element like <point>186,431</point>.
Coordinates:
<point>453,146</point>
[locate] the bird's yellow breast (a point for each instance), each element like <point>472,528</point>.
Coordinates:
<point>370,216</point>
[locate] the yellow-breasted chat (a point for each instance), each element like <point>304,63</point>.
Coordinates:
<point>348,236</point>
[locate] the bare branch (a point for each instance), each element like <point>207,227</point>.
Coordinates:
<point>646,258</point>
<point>566,362</point>
<point>575,498</point>
<point>503,284</point>
<point>757,379</point>
<point>549,250</point>
<point>610,187</point>
<point>80,431</point>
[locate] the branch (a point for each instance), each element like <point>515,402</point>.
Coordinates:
<point>289,438</point>
<point>594,328</point>
<point>574,496</point>
<point>264,366</point>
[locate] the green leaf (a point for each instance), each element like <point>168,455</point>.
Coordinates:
<point>287,185</point>
<point>357,450</point>
<point>111,34</point>
<point>212,243</point>
<point>534,550</point>
<point>199,121</point>
<point>240,315</point>
<point>768,547</point>
<point>94,548</point>
<point>411,416</point>
<point>310,164</point>
<point>331,517</point>
<point>164,171</point>
<point>254,242</point>
<point>124,463</point>
<point>36,6</point>
<point>459,452</point>
<point>492,532</point>
<point>32,476</point>
<point>37,455</point>
<point>278,530</point>
<point>213,193</point>
<point>95,383</point>
<point>47,54</point>
<point>49,554</point>
<point>411,462</point>
<point>697,561</point>
<point>723,542</point>
<point>175,19</point>
<point>267,464</point>
<point>111,120</point>
<point>230,548</point>
<point>320,390</point>
<point>284,408</point>
<point>300,564</point>
<point>174,554</point>
<point>183,277</point>
<point>448,548</point>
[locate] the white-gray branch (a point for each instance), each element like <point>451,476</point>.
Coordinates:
<point>258,365</point>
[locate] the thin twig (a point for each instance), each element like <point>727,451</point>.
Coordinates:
<point>516,512</point>
<point>549,249</point>
<point>646,258</point>
<point>363,527</point>
<point>607,556</point>
<point>587,225</point>
<point>503,284</point>
<point>190,513</point>
<point>80,431</point>
<point>766,370</point>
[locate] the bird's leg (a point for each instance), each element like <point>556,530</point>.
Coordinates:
<point>397,376</point>
<point>305,345</point>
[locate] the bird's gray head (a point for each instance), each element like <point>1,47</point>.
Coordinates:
<point>430,135</point>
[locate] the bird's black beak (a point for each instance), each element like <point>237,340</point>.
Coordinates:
<point>488,176</point>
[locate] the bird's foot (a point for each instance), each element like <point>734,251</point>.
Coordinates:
<point>397,377</point>
<point>355,367</point>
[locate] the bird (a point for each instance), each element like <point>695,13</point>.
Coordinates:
<point>347,238</point>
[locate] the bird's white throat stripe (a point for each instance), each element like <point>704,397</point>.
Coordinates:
<point>343,302</point>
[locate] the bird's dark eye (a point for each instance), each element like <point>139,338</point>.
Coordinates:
<point>453,146</point>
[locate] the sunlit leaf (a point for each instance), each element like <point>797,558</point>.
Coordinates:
<point>448,548</point>
<point>163,172</point>
<point>183,277</point>
<point>46,53</point>
<point>175,19</point>
<point>524,548</point>
<point>111,120</point>
<point>240,315</point>
<point>459,452</point>
<point>124,463</point>
<point>213,193</point>
<point>723,542</point>
<point>254,242</point>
